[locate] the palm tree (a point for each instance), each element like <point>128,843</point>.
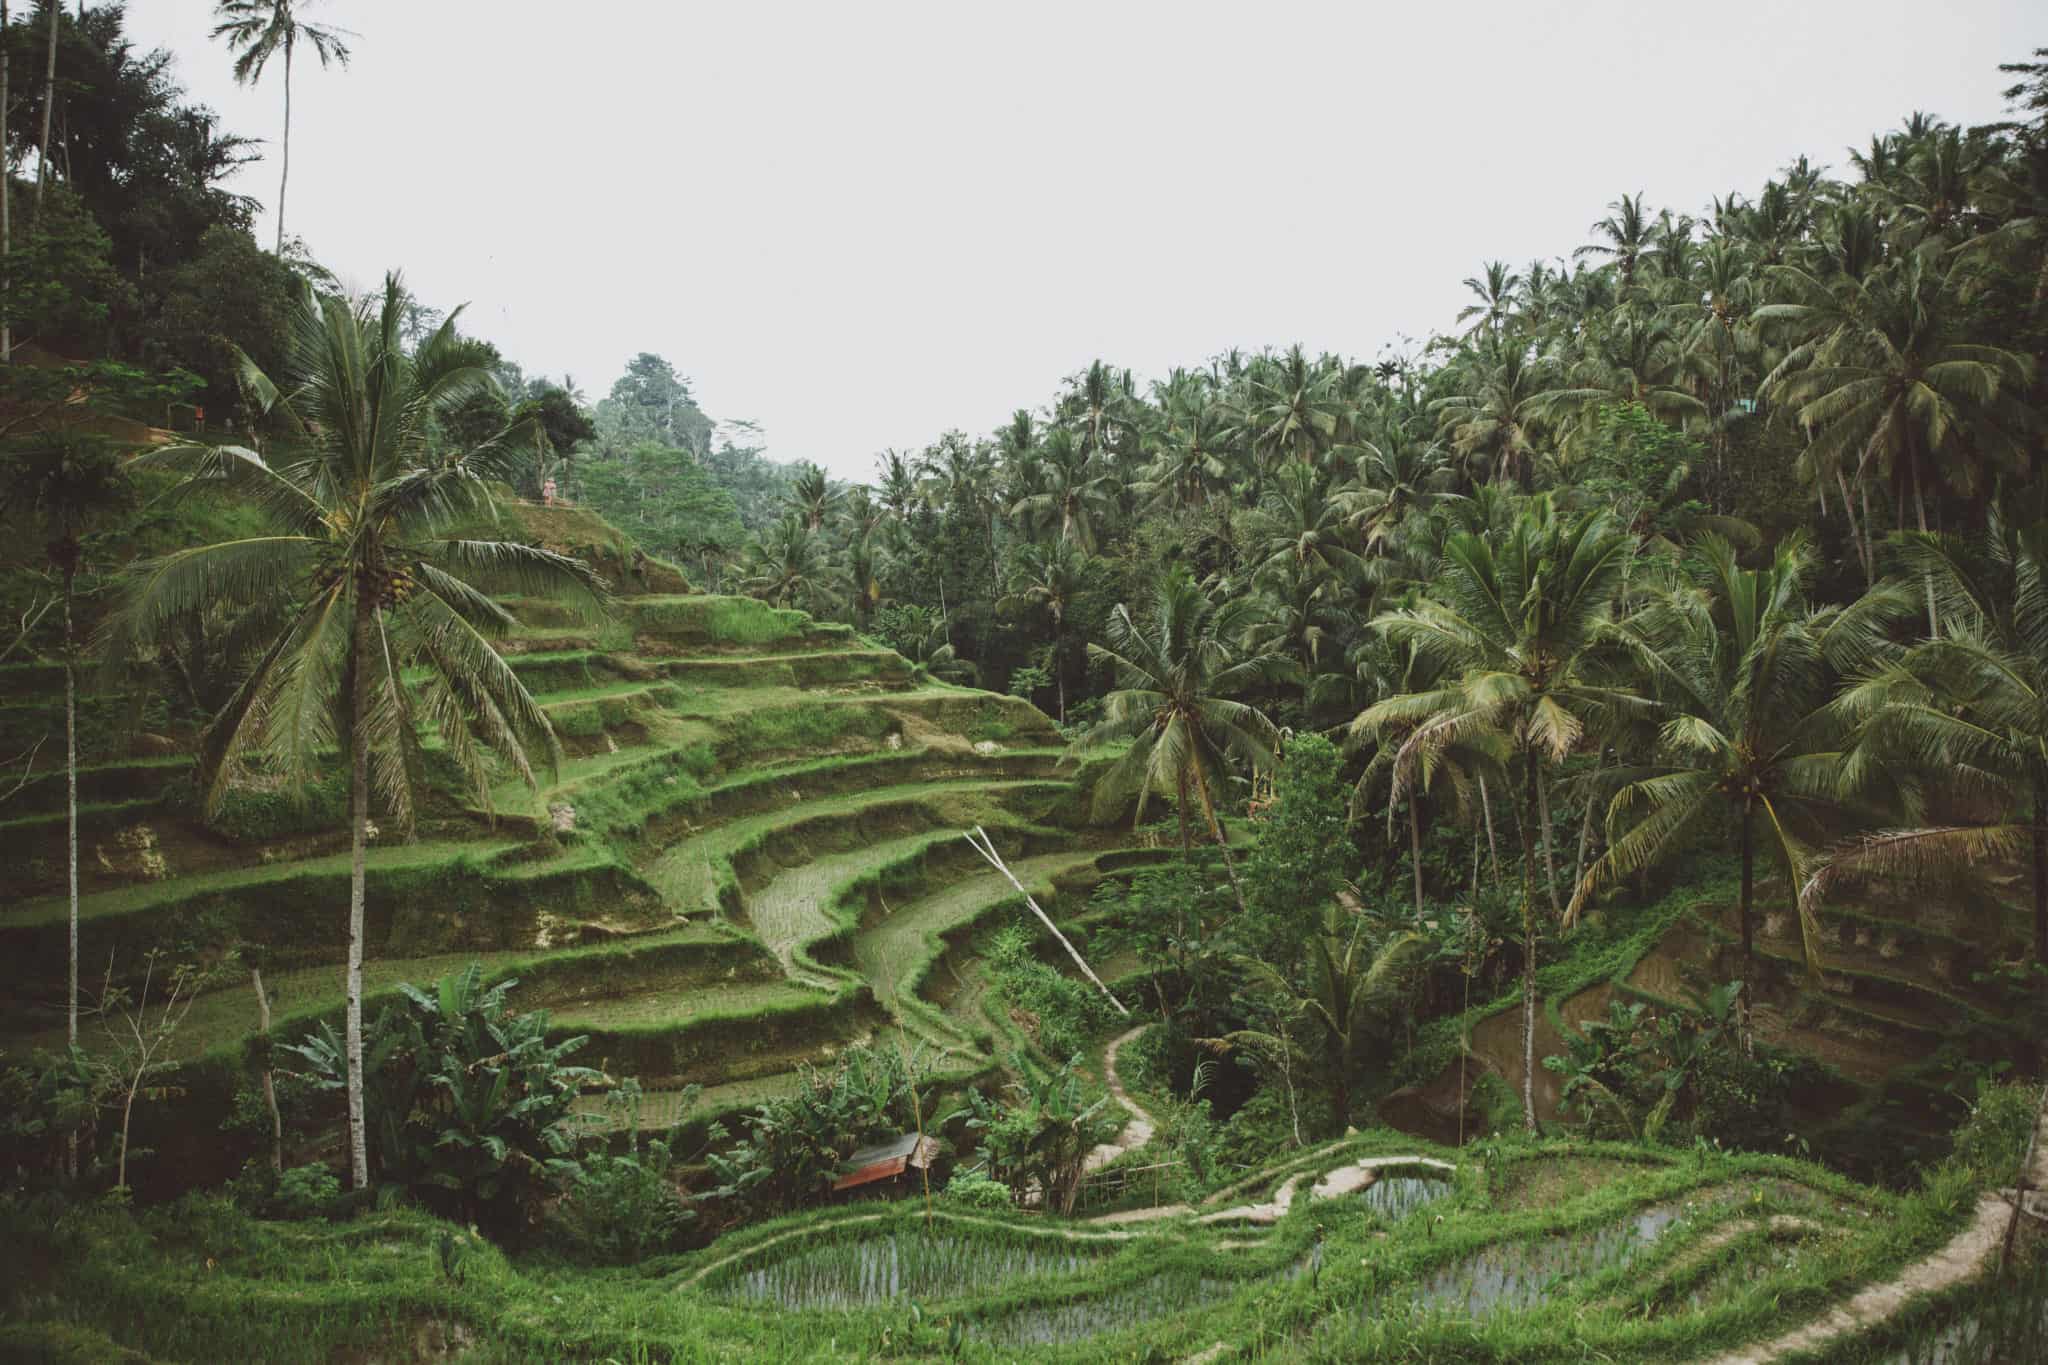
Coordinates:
<point>898,490</point>
<point>1311,527</point>
<point>362,501</point>
<point>1496,291</point>
<point>1882,375</point>
<point>811,497</point>
<point>1175,680</point>
<point>1514,625</point>
<point>1972,704</point>
<point>1049,576</point>
<point>1355,988</point>
<point>1072,490</point>
<point>67,481</point>
<point>1491,423</point>
<point>1626,235</point>
<point>1743,668</point>
<point>1292,413</point>
<point>260,29</point>
<point>788,566</point>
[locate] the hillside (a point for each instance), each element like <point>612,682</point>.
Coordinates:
<point>749,858</point>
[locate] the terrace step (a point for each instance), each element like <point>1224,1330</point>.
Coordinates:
<point>689,875</point>
<point>897,950</point>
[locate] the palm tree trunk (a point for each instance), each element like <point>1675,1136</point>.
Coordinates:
<point>1492,846</point>
<point>358,820</point>
<point>1216,828</point>
<point>71,807</point>
<point>1920,515</point>
<point>1869,550</point>
<point>1549,860</point>
<point>284,173</point>
<point>1749,881</point>
<point>2041,867</point>
<point>6,209</point>
<point>1415,851</point>
<point>1187,846</point>
<point>71,838</point>
<point>1585,842</point>
<point>1855,532</point>
<point>1529,951</point>
<point>49,106</point>
<point>269,1083</point>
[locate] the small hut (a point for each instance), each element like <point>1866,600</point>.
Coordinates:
<point>890,1167</point>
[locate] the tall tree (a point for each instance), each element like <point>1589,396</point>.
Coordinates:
<point>258,30</point>
<point>1744,668</point>
<point>364,505</point>
<point>1176,676</point>
<point>1971,707</point>
<point>1514,622</point>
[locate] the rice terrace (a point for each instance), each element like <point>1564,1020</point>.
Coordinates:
<point>1435,809</point>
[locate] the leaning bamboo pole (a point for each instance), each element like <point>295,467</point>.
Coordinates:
<point>985,846</point>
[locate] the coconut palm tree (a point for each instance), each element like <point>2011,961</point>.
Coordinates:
<point>1310,528</point>
<point>1497,288</point>
<point>1626,235</point>
<point>1491,422</point>
<point>1743,667</point>
<point>1514,623</point>
<point>1176,676</point>
<point>789,566</point>
<point>898,490</point>
<point>811,497</point>
<point>1291,411</point>
<point>1073,492</point>
<point>1971,704</point>
<point>1353,994</point>
<point>258,30</point>
<point>1882,376</point>
<point>364,502</point>
<point>66,481</point>
<point>1049,576</point>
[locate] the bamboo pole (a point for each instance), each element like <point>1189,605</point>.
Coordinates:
<point>985,846</point>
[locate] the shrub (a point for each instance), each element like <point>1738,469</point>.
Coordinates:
<point>978,1190</point>
<point>622,1208</point>
<point>1067,1011</point>
<point>468,1104</point>
<point>1993,1138</point>
<point>310,1191</point>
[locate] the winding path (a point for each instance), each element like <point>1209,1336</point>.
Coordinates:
<point>1138,1131</point>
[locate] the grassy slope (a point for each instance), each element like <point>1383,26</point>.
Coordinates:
<point>1755,1244</point>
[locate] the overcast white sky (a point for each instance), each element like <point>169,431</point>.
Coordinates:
<point>861,224</point>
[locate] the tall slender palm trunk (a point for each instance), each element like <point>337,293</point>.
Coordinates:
<point>1216,829</point>
<point>1529,950</point>
<point>1549,857</point>
<point>360,645</point>
<point>2040,867</point>
<point>6,211</point>
<point>71,807</point>
<point>1749,880</point>
<point>1415,852</point>
<point>1492,845</point>
<point>71,837</point>
<point>49,106</point>
<point>269,1083</point>
<point>284,174</point>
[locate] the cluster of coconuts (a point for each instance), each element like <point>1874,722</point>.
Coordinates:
<point>386,585</point>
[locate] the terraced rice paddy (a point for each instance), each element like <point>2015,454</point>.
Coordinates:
<point>865,1272</point>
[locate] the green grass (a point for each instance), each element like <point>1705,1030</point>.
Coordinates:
<point>199,1281</point>
<point>148,895</point>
